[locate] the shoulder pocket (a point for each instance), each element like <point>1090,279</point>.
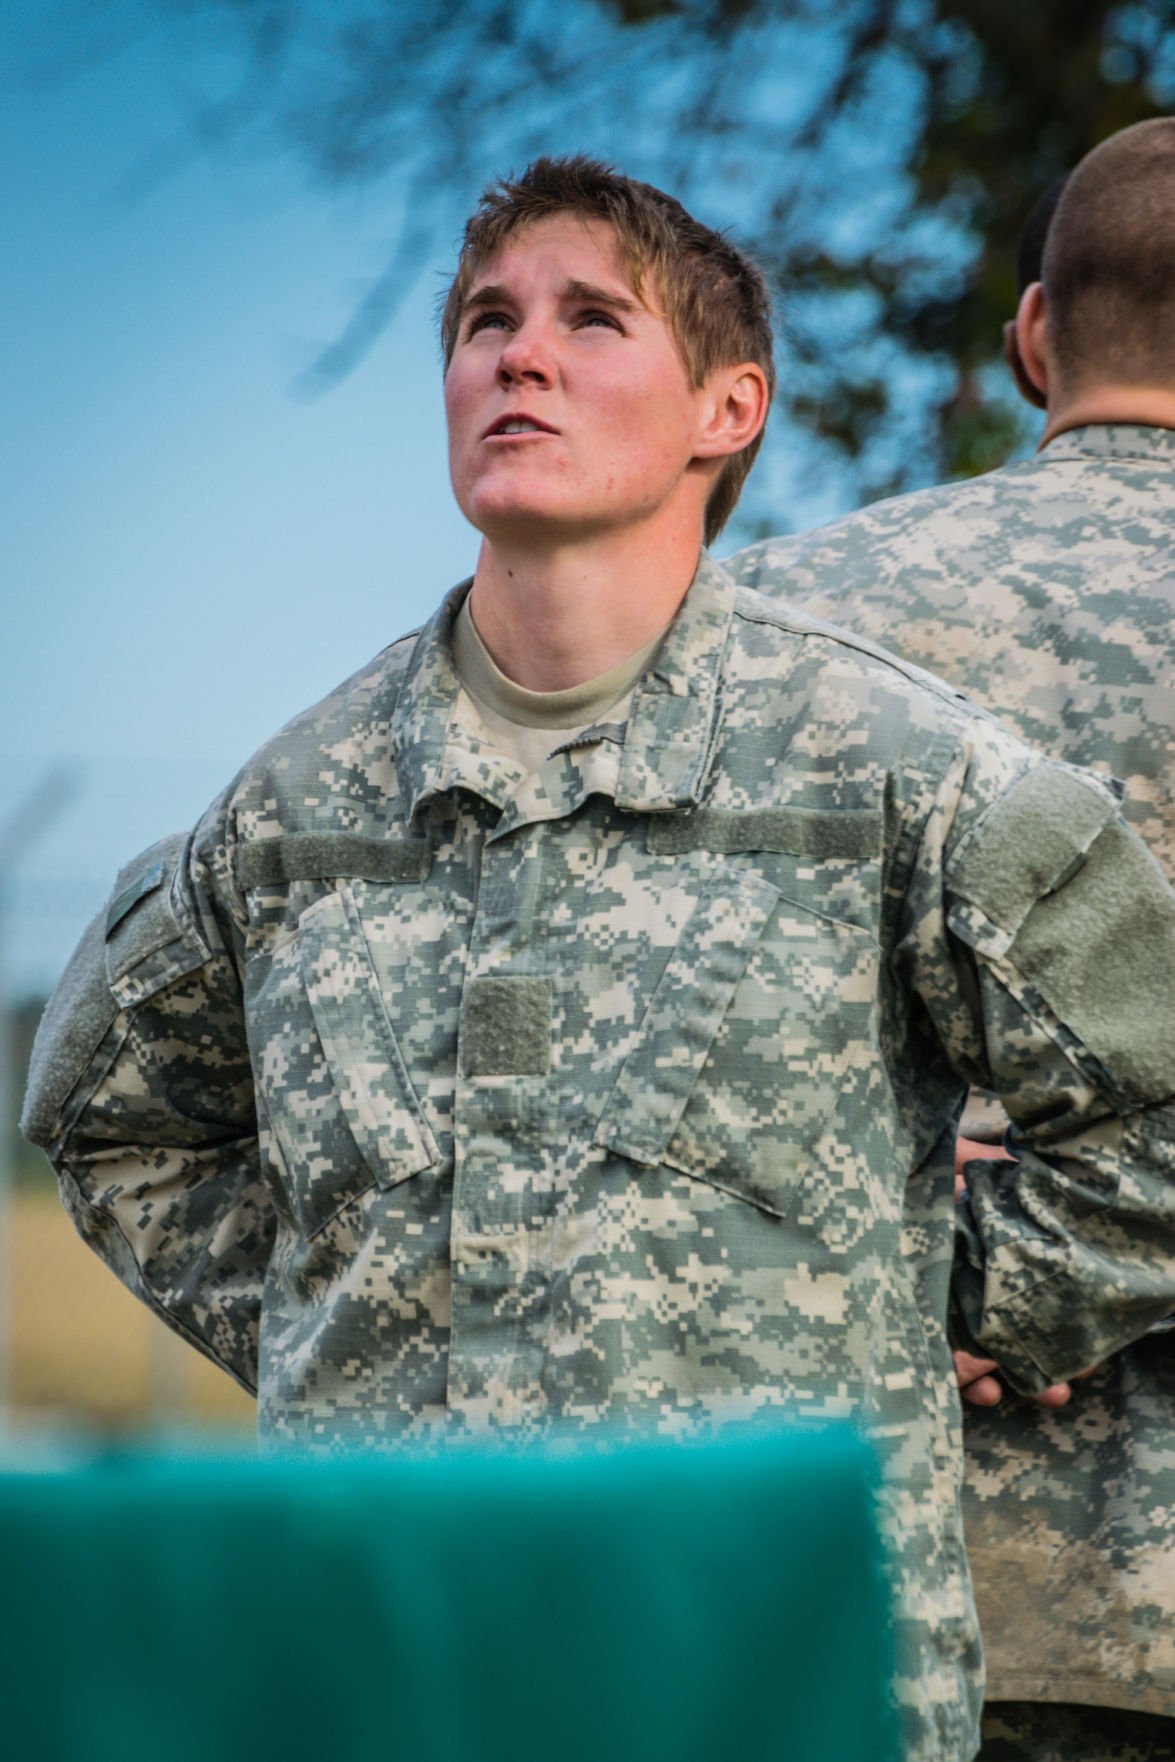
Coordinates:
<point>152,938</point>
<point>745,1043</point>
<point>338,1095</point>
<point>145,939</point>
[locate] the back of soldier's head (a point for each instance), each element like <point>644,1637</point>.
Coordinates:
<point>1109,263</point>
<point>1034,232</point>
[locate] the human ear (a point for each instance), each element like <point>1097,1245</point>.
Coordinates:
<point>1031,335</point>
<point>734,409</point>
<point>1015,367</point>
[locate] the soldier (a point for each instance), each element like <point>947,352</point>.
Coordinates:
<point>564,1024</point>
<point>1048,589</point>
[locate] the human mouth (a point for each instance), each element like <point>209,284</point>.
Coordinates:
<point>509,426</point>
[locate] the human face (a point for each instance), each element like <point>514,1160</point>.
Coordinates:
<point>570,410</point>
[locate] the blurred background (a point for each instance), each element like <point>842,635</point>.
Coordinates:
<point>224,225</point>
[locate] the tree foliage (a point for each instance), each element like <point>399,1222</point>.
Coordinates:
<point>878,156</point>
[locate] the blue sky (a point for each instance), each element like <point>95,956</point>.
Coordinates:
<point>191,554</point>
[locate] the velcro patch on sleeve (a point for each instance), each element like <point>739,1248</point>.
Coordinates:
<point>1034,838</point>
<point>73,1026</point>
<point>1101,951</point>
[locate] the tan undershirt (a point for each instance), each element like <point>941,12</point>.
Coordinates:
<point>528,725</point>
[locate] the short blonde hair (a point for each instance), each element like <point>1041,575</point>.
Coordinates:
<point>716,300</point>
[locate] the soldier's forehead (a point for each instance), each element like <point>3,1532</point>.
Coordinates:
<point>564,234</point>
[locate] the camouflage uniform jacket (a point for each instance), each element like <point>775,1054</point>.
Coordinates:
<point>1047,589</point>
<point>428,1096</point>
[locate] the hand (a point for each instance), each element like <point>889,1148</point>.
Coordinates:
<point>978,1378</point>
<point>973,1150</point>
<point>979,1383</point>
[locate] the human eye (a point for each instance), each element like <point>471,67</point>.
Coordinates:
<point>487,320</point>
<point>596,315</point>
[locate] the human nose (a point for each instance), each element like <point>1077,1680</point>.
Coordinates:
<point>525,357</point>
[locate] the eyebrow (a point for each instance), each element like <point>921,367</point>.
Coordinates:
<point>587,290</point>
<point>495,294</point>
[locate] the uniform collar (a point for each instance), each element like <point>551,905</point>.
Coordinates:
<point>673,721</point>
<point>671,727</point>
<point>1113,440</point>
<point>424,707</point>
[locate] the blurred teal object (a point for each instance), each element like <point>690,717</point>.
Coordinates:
<point>718,1602</point>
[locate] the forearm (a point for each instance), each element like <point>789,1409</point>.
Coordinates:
<point>1063,1260</point>
<point>141,1095</point>
<point>146,1218</point>
<point>1050,978</point>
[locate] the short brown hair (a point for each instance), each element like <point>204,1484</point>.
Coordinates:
<point>716,300</point>
<point>1034,232</point>
<point>1109,262</point>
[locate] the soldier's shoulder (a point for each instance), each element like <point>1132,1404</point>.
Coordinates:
<point>836,693</point>
<point>368,694</point>
<point>345,731</point>
<point>766,622</point>
<point>898,520</point>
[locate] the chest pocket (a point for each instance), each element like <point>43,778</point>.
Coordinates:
<point>759,1015</point>
<point>338,1096</point>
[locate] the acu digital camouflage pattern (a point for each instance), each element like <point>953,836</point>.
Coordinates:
<point>622,1095</point>
<point>1047,590</point>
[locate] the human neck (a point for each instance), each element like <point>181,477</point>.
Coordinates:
<point>554,617</point>
<point>1150,406</point>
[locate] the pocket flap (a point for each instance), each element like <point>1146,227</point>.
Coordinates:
<point>367,1067</point>
<point>684,1014</point>
<point>151,937</point>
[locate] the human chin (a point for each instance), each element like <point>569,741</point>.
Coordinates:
<point>511,498</point>
<point>516,511</point>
